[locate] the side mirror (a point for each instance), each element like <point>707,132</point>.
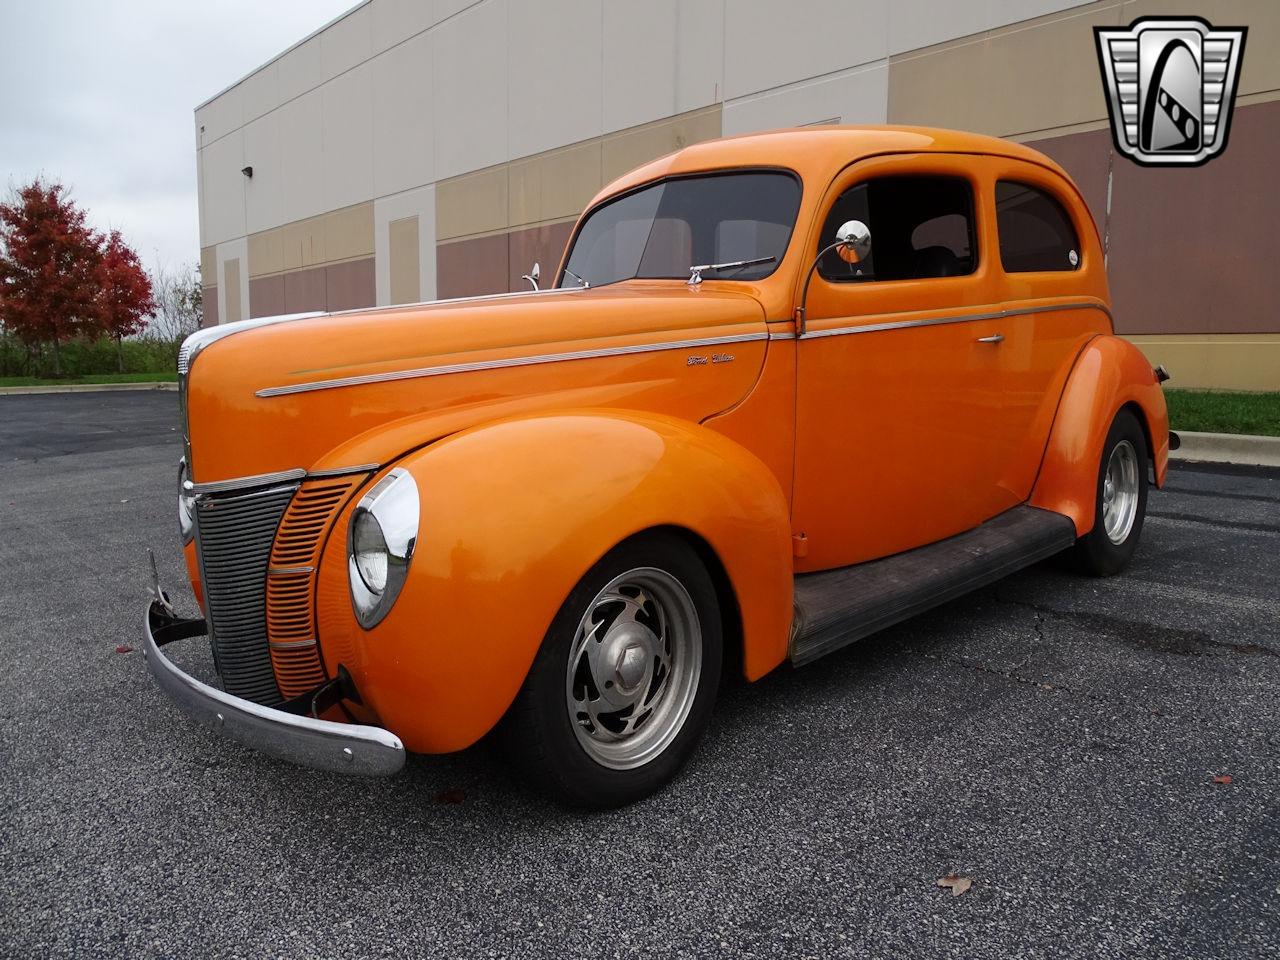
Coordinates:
<point>853,243</point>
<point>532,276</point>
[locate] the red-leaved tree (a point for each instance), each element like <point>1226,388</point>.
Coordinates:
<point>124,293</point>
<point>49,267</point>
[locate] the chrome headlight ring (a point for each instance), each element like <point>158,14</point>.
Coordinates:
<point>381,536</point>
<point>186,504</point>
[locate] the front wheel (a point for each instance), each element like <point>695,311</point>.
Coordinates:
<point>622,687</point>
<point>1121,500</point>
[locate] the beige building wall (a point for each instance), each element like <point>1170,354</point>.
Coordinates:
<point>405,279</point>
<point>424,148</point>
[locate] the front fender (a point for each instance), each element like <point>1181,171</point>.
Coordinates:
<point>514,513</point>
<point>1109,374</point>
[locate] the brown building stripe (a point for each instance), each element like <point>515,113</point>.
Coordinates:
<point>209,306</point>
<point>495,263</point>
<point>1189,250</point>
<point>336,286</point>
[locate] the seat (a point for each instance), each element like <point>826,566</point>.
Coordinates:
<point>938,261</point>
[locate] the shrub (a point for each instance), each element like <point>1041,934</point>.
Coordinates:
<point>84,357</point>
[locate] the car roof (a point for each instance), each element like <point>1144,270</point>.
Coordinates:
<point>817,153</point>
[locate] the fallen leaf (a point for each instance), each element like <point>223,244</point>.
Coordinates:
<point>452,796</point>
<point>124,648</point>
<point>956,883</point>
<point>1222,778</point>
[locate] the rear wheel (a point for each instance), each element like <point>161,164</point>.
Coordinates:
<point>622,687</point>
<point>1121,500</point>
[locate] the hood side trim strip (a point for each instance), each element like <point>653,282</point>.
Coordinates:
<point>508,362</point>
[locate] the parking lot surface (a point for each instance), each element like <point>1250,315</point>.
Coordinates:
<point>1053,739</point>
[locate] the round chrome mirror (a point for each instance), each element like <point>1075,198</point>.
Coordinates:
<point>854,238</point>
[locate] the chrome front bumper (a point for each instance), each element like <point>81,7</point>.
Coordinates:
<point>322,744</point>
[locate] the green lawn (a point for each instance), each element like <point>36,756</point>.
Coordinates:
<point>167,376</point>
<point>1214,411</point>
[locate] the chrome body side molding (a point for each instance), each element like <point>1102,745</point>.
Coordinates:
<point>508,362</point>
<point>935,321</point>
<point>962,318</point>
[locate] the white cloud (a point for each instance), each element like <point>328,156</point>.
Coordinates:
<point>101,95</point>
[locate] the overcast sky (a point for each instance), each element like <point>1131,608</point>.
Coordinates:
<point>100,95</point>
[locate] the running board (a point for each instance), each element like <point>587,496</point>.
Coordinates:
<point>837,607</point>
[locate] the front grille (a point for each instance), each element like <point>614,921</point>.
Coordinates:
<point>291,581</point>
<point>234,535</point>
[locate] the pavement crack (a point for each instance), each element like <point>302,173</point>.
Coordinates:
<point>1010,674</point>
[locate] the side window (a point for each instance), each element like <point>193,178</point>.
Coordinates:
<point>1035,232</point>
<point>920,227</point>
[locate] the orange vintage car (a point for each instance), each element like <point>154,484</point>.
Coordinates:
<point>786,390</point>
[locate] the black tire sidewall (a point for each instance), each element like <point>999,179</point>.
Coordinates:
<point>539,726</point>
<point>1095,551</point>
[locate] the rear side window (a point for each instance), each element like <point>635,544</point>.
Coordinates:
<point>920,227</point>
<point>1035,232</point>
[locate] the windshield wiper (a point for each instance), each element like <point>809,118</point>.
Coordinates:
<point>695,273</point>
<point>581,283</point>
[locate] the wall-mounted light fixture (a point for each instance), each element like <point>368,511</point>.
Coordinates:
<point>247,171</point>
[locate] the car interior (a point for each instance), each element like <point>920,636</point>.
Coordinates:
<point>921,227</point>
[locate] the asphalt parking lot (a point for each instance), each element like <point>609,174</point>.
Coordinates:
<point>1053,739</point>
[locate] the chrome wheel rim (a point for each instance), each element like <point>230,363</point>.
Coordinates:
<point>633,668</point>
<point>1120,492</point>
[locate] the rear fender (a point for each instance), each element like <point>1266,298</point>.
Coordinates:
<point>1109,374</point>
<point>514,513</point>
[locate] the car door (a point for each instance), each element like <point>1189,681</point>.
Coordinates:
<point>899,435</point>
<point>1053,292</point>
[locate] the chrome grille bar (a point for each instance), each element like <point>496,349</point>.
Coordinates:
<point>234,535</point>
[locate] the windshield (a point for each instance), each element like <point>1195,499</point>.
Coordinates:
<point>659,232</point>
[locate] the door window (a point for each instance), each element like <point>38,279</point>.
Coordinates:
<point>1035,232</point>
<point>921,227</point>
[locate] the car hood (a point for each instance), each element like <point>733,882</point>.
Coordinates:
<point>332,391</point>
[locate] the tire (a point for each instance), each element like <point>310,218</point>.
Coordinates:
<point>1120,501</point>
<point>564,731</point>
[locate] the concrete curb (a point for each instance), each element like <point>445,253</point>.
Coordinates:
<point>1228,448</point>
<point>86,388</point>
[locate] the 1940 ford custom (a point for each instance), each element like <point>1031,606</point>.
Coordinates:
<point>786,389</point>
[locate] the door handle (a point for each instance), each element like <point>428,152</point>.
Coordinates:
<point>994,338</point>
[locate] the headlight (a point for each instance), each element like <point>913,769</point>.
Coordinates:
<point>369,549</point>
<point>380,541</point>
<point>186,507</point>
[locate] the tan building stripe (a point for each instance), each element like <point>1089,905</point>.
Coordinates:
<point>1222,362</point>
<point>1034,75</point>
<point>406,284</point>
<point>558,184</point>
<point>334,237</point>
